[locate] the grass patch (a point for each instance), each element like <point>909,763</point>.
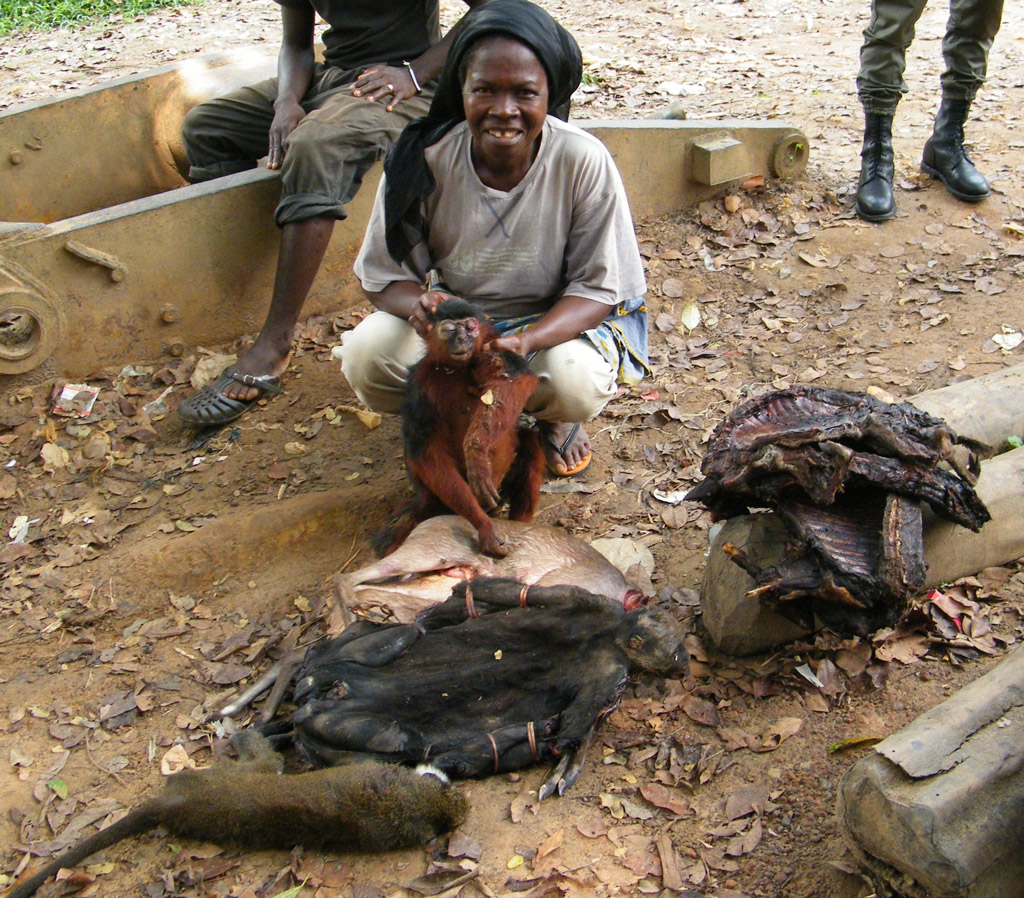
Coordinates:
<point>27,15</point>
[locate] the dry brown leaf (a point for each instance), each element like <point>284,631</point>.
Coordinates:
<point>551,843</point>
<point>520,804</point>
<point>854,658</point>
<point>663,797</point>
<point>672,288</point>
<point>779,732</point>
<point>701,711</point>
<point>816,702</point>
<point>671,878</point>
<point>905,649</point>
<point>745,842</point>
<point>593,829</point>
<point>746,800</point>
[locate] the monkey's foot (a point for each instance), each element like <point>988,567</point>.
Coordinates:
<point>566,448</point>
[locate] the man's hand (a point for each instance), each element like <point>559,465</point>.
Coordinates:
<point>287,114</point>
<point>385,82</point>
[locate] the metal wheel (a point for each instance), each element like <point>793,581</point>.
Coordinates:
<point>31,327</point>
<point>789,155</point>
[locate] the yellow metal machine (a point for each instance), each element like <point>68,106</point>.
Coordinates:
<point>108,255</point>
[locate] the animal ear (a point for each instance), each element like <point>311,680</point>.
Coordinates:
<point>636,642</point>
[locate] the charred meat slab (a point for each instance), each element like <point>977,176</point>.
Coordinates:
<point>847,474</point>
<point>799,442</point>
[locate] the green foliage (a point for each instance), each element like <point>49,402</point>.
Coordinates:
<point>26,15</point>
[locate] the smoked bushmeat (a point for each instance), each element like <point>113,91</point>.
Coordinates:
<point>847,473</point>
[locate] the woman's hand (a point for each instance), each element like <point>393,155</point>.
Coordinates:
<point>381,81</point>
<point>287,115</point>
<point>424,307</point>
<point>565,320</point>
<point>517,343</point>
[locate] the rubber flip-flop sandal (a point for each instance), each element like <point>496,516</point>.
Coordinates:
<point>209,407</point>
<point>560,449</point>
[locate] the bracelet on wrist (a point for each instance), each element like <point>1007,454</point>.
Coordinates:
<point>412,74</point>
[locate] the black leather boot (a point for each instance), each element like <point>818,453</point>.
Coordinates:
<point>875,201</point>
<point>944,156</point>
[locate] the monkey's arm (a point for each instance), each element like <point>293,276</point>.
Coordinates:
<point>436,471</point>
<point>504,393</point>
<point>601,686</point>
<point>140,820</point>
<point>504,592</point>
<point>598,698</point>
<point>568,769</point>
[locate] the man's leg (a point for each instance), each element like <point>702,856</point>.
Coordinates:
<point>883,55</point>
<point>970,31</point>
<point>971,28</point>
<point>303,245</point>
<point>879,86</point>
<point>326,158</point>
<point>229,134</point>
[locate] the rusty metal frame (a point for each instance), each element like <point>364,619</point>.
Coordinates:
<point>107,255</point>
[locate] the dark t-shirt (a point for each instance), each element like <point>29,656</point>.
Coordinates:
<point>362,32</point>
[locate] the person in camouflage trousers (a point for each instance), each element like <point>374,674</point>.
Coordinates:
<point>970,30</point>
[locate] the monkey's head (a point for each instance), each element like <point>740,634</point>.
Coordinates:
<point>457,329</point>
<point>653,641</point>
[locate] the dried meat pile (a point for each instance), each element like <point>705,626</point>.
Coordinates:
<point>847,474</point>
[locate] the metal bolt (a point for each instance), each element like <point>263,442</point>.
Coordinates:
<point>176,348</point>
<point>170,313</point>
<point>15,157</point>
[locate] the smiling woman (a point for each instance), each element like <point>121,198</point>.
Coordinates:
<point>505,98</point>
<point>23,15</point>
<point>495,198</point>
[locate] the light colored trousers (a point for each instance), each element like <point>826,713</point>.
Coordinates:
<point>576,381</point>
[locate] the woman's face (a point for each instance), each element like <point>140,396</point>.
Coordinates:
<point>505,96</point>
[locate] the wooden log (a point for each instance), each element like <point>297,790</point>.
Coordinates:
<point>989,408</point>
<point>936,808</point>
<point>952,552</point>
<point>738,625</point>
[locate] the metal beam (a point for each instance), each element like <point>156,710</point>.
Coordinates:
<point>108,256</point>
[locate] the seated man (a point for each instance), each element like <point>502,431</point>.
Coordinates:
<point>492,199</point>
<point>323,125</point>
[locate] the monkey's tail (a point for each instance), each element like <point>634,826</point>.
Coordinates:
<point>139,820</point>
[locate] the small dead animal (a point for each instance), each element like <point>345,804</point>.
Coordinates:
<point>359,807</point>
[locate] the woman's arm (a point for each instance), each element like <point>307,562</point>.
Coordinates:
<point>564,321</point>
<point>409,301</point>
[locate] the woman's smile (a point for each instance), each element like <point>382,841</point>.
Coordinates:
<point>505,98</point>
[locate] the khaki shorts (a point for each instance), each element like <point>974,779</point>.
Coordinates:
<point>326,156</point>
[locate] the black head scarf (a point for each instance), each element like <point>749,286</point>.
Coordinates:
<point>409,179</point>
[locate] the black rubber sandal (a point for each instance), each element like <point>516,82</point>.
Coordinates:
<point>209,407</point>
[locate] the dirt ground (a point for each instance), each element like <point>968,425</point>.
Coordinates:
<point>160,571</point>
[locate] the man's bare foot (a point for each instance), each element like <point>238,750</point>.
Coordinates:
<point>566,448</point>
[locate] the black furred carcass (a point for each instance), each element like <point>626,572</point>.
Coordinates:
<point>847,474</point>
<point>500,676</point>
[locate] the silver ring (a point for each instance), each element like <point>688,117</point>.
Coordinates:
<point>391,88</point>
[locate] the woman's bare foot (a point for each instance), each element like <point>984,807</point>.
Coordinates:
<point>566,448</point>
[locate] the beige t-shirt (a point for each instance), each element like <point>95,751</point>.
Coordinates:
<point>565,229</point>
